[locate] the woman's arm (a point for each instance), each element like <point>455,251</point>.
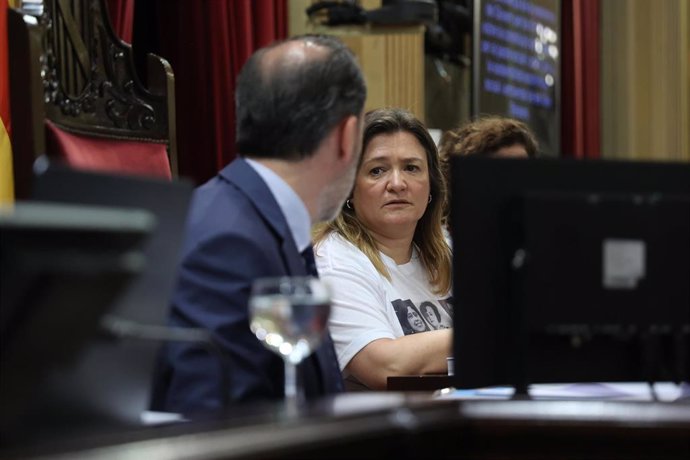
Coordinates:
<point>423,353</point>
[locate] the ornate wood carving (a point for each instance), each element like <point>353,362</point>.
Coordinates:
<point>89,77</point>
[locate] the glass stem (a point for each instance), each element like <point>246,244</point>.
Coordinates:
<point>290,383</point>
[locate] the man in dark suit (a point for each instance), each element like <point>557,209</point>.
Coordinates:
<point>299,109</point>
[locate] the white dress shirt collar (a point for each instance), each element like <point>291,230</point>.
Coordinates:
<point>290,203</point>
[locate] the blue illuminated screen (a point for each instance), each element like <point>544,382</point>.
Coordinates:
<point>517,64</point>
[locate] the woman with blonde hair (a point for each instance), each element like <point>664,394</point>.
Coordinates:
<point>385,255</point>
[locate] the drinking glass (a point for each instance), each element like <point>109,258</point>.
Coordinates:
<point>289,315</point>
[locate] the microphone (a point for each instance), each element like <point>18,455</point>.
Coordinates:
<point>120,328</point>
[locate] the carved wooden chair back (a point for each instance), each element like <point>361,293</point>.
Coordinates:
<point>76,95</point>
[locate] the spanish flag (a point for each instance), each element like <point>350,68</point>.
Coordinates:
<point>6,172</point>
<point>6,178</point>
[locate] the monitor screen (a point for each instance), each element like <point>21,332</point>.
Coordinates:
<point>516,64</point>
<point>570,271</point>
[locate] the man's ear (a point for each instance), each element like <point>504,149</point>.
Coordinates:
<point>350,138</point>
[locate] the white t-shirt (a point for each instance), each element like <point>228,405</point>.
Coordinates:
<point>366,306</point>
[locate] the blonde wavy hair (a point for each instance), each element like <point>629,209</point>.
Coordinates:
<point>429,239</point>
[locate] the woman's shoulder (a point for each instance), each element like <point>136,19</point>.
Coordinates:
<point>336,251</point>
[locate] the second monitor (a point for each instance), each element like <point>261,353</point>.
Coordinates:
<point>570,271</point>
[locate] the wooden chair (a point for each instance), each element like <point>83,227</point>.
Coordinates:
<point>75,95</point>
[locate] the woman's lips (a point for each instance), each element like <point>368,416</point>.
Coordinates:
<point>397,203</point>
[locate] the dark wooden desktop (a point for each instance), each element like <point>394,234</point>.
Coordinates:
<point>402,425</point>
<point>427,382</point>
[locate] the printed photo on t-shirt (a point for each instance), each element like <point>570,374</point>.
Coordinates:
<point>427,316</point>
<point>410,319</point>
<point>432,315</point>
<point>447,305</point>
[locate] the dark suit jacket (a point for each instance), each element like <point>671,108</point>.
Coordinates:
<point>236,233</point>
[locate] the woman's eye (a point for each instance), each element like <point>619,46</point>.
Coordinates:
<point>412,168</point>
<point>376,171</point>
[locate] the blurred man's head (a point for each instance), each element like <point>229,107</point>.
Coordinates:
<point>292,93</point>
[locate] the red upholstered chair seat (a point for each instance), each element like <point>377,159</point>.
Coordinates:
<point>108,155</point>
<point>77,98</point>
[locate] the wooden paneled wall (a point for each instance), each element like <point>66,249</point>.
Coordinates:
<point>392,58</point>
<point>645,81</point>
<point>393,65</point>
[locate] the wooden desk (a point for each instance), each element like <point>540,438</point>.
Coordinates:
<point>400,426</point>
<point>429,382</point>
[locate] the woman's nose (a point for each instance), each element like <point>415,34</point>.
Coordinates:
<point>396,181</point>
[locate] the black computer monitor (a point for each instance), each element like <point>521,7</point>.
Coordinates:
<point>570,271</point>
<point>62,268</point>
<point>116,375</point>
<point>107,382</point>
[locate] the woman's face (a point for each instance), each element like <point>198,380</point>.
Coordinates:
<point>430,315</point>
<point>392,185</point>
<point>415,320</point>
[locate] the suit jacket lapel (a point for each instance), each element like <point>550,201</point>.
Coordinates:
<point>257,192</point>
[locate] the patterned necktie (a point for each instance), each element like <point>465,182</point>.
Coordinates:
<point>335,378</point>
<point>309,261</point>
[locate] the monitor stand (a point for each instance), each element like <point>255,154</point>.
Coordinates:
<point>521,393</point>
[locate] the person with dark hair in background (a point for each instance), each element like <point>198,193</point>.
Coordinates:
<point>299,129</point>
<point>493,136</point>
<point>385,254</point>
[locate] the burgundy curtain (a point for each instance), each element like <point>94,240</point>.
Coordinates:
<point>580,109</point>
<point>122,18</point>
<point>207,42</point>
